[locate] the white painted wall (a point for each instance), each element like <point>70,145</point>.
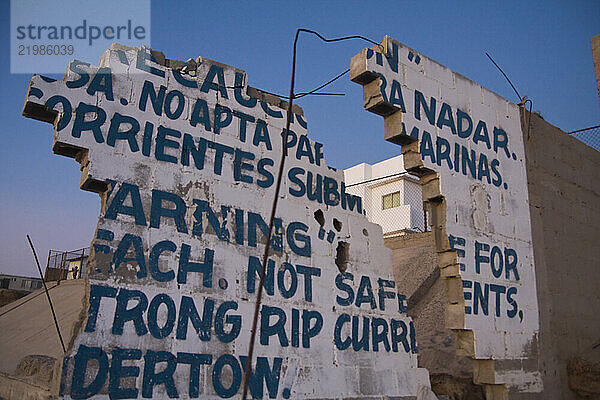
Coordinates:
<point>139,171</point>
<point>22,283</point>
<point>407,216</point>
<point>487,210</point>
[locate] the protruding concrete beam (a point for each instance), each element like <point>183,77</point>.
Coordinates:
<point>455,316</point>
<point>448,263</point>
<point>454,290</point>
<point>39,112</point>
<point>413,162</point>
<point>412,157</point>
<point>465,343</point>
<point>496,392</point>
<point>430,187</point>
<point>393,132</point>
<point>450,271</point>
<point>373,100</point>
<point>437,217</point>
<point>358,69</point>
<point>484,372</point>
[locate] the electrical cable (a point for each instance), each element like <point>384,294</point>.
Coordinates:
<point>62,343</point>
<point>500,69</point>
<point>27,300</point>
<point>276,197</point>
<point>522,100</point>
<point>300,95</point>
<point>584,129</point>
<point>312,92</point>
<point>378,179</point>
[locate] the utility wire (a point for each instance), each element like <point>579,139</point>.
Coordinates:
<point>325,94</point>
<point>522,100</point>
<point>312,92</point>
<point>378,179</point>
<point>584,129</point>
<point>500,69</point>
<point>323,85</point>
<point>47,295</point>
<point>276,196</point>
<point>26,301</point>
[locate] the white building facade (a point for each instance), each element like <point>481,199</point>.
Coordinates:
<point>20,283</point>
<point>391,197</point>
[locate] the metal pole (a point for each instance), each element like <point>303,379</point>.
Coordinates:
<point>47,295</point>
<point>276,198</point>
<point>270,232</point>
<point>47,264</point>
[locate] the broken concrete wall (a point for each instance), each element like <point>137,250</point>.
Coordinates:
<point>55,274</point>
<point>418,276</point>
<point>564,192</point>
<point>560,176</point>
<point>184,157</point>
<point>8,296</point>
<point>466,144</point>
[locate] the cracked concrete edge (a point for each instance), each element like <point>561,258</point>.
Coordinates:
<point>42,113</point>
<point>496,392</point>
<point>179,65</point>
<point>76,329</point>
<point>435,203</point>
<point>268,98</point>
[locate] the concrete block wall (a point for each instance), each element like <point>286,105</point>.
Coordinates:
<point>184,157</point>
<point>27,326</point>
<point>444,123</point>
<point>564,190</point>
<point>417,274</point>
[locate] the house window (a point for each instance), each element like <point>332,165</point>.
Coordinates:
<point>391,200</point>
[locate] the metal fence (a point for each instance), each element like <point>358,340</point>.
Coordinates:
<point>589,136</point>
<point>61,263</point>
<point>393,201</point>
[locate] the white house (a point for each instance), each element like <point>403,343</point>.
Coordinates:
<point>391,196</point>
<point>20,283</point>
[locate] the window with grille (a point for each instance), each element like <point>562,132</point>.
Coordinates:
<point>391,200</point>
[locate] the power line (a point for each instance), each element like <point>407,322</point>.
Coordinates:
<point>47,294</point>
<point>277,190</point>
<point>584,129</point>
<point>500,69</point>
<point>323,85</point>
<point>378,179</point>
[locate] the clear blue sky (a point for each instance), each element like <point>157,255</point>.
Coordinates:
<point>544,47</point>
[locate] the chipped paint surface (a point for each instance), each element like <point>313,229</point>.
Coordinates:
<point>184,160</point>
<point>466,143</point>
